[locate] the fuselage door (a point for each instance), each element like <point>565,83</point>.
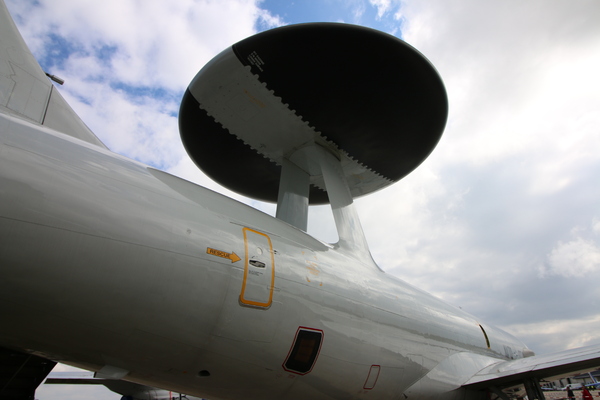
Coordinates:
<point>259,270</point>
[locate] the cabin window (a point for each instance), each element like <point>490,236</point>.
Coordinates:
<point>304,351</point>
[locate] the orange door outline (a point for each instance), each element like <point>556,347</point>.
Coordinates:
<point>259,269</point>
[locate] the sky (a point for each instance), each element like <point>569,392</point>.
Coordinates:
<point>502,220</point>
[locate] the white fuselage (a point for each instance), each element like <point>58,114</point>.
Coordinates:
<point>107,262</point>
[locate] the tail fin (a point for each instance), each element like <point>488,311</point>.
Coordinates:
<point>26,91</point>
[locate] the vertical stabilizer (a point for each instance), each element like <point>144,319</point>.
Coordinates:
<point>25,90</point>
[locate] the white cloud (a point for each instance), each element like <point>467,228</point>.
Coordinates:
<point>382,6</point>
<point>358,11</point>
<point>515,82</point>
<point>268,19</point>
<point>567,333</point>
<point>575,258</point>
<point>596,226</point>
<point>152,43</point>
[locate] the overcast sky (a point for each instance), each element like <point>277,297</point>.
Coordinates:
<point>503,219</point>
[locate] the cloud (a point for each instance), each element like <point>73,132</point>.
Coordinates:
<point>559,333</point>
<point>578,257</point>
<point>518,74</point>
<point>382,6</point>
<point>151,44</point>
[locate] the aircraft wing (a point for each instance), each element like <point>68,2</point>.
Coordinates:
<point>547,366</point>
<point>127,389</point>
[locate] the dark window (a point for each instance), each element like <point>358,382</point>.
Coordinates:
<point>305,350</point>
